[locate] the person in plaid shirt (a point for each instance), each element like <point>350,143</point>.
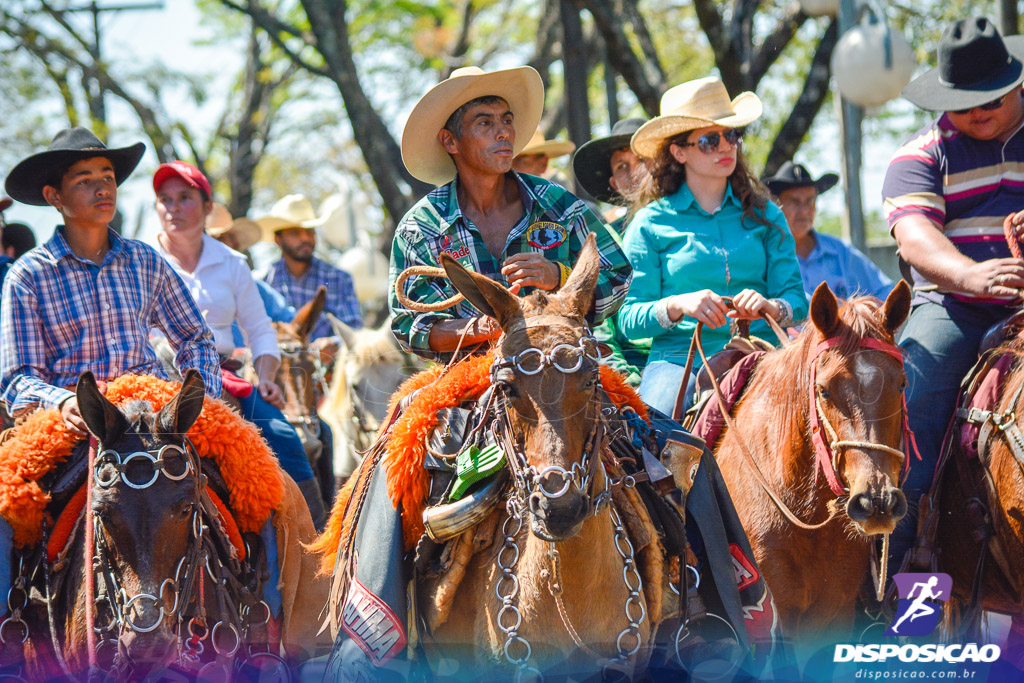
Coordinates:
<point>519,230</point>
<point>87,299</point>
<point>291,225</point>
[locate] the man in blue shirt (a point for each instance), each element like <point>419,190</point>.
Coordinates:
<point>823,258</point>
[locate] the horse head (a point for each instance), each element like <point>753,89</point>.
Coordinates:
<point>856,404</point>
<point>546,375</point>
<point>300,375</point>
<point>146,488</point>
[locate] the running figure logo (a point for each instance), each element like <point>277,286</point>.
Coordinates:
<point>919,607</point>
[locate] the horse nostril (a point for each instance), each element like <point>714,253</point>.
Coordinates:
<point>860,507</point>
<point>898,508</point>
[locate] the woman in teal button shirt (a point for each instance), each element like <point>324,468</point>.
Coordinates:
<point>706,230</point>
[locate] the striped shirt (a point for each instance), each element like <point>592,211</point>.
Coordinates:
<point>555,223</point>
<point>964,186</point>
<point>63,315</point>
<point>341,294</point>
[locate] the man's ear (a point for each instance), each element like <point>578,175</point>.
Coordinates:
<point>447,140</point>
<point>52,196</point>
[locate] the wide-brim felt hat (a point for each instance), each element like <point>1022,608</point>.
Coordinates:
<point>25,183</point>
<point>424,156</point>
<point>538,144</point>
<point>592,162</point>
<point>976,65</point>
<point>790,176</point>
<point>692,105</point>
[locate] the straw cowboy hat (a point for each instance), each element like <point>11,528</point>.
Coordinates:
<point>549,148</point>
<point>219,222</point>
<point>790,176</point>
<point>423,155</point>
<point>592,162</point>
<point>692,105</point>
<point>25,183</point>
<point>290,211</point>
<point>976,66</point>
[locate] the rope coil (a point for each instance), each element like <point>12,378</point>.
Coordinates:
<point>427,271</point>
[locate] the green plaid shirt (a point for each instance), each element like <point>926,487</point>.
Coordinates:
<point>436,224</point>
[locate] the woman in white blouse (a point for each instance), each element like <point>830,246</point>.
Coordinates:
<point>222,285</point>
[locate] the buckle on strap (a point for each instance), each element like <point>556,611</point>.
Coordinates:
<point>975,415</point>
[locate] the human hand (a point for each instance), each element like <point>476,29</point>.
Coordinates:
<point>1017,221</point>
<point>531,270</point>
<point>703,305</point>
<point>750,305</point>
<point>998,277</point>
<point>271,393</point>
<point>73,417</point>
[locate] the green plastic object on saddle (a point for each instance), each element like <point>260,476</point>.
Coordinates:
<point>473,465</point>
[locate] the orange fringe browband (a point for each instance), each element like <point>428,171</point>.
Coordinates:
<point>407,479</point>
<point>41,443</point>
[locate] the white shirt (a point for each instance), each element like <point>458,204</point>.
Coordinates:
<point>224,290</point>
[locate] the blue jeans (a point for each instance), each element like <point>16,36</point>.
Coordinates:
<point>940,345</point>
<point>659,385</point>
<point>280,435</point>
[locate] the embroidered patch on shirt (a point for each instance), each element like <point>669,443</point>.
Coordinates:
<point>444,246</point>
<point>545,235</point>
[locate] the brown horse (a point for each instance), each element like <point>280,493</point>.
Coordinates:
<point>149,497</point>
<point>995,486</point>
<point>815,575</point>
<point>558,535</point>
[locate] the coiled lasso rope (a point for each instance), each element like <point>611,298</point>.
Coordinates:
<point>429,271</point>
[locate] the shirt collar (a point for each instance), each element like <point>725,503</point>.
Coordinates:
<point>446,199</point>
<point>683,200</point>
<point>824,244</point>
<point>59,248</point>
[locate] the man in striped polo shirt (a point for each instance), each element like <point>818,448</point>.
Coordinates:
<point>948,189</point>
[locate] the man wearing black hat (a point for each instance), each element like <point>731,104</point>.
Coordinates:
<point>604,168</point>
<point>823,258</point>
<point>947,192</point>
<point>87,299</point>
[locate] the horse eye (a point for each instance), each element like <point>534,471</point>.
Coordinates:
<point>823,393</point>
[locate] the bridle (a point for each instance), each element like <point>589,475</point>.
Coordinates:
<point>304,419</point>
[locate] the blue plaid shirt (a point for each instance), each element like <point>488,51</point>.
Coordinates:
<point>63,315</point>
<point>341,295</point>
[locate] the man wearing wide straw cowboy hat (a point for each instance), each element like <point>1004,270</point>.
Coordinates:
<point>517,229</point>
<point>291,225</point>
<point>538,152</point>
<point>947,193</point>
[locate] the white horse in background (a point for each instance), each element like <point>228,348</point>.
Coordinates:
<point>369,367</point>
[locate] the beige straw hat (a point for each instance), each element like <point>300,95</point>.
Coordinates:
<point>423,155</point>
<point>290,211</point>
<point>692,105</point>
<point>220,222</point>
<point>550,148</point>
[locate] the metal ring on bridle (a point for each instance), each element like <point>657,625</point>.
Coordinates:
<point>128,613</point>
<point>217,648</point>
<point>13,621</point>
<point>567,479</point>
<point>120,463</point>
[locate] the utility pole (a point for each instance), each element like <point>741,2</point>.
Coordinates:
<point>93,89</point>
<point>850,117</point>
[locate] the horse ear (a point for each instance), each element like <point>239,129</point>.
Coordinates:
<point>306,318</point>
<point>102,417</point>
<point>824,310</point>
<point>346,333</point>
<point>579,287</point>
<point>488,296</point>
<point>896,307</point>
<point>182,411</point>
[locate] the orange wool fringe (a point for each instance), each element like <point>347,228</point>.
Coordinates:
<point>65,524</point>
<point>255,486</point>
<point>408,481</point>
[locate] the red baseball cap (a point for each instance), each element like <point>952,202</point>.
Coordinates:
<point>187,172</point>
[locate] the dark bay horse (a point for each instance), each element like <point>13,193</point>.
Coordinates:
<point>168,591</point>
<point>844,373</point>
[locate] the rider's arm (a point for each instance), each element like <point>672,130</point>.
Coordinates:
<point>645,304</point>
<point>251,313</point>
<point>783,282</point>
<point>445,334</point>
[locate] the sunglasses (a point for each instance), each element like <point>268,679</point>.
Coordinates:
<point>988,106</point>
<point>709,142</point>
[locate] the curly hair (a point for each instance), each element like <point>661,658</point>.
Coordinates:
<point>663,175</point>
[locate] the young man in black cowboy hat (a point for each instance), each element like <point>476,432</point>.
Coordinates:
<point>947,191</point>
<point>87,298</point>
<point>823,258</point>
<point>604,167</point>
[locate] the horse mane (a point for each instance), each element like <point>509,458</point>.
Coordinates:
<point>786,371</point>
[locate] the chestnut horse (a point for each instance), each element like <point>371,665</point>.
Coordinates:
<point>556,528</point>
<point>816,574</point>
<point>148,498</point>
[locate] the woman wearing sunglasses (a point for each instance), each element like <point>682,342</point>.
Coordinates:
<point>704,229</point>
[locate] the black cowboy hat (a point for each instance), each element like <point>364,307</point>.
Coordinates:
<point>792,175</point>
<point>592,161</point>
<point>25,183</point>
<point>976,66</point>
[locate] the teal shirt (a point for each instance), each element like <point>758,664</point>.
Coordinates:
<point>675,247</point>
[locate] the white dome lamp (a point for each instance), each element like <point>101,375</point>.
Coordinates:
<point>819,8</point>
<point>872,62</point>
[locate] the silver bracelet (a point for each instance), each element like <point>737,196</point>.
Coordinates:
<point>786,315</point>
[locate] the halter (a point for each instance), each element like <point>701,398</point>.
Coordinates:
<point>295,350</point>
<point>827,453</point>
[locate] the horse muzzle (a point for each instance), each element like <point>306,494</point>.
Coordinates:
<point>877,513</point>
<point>557,519</point>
